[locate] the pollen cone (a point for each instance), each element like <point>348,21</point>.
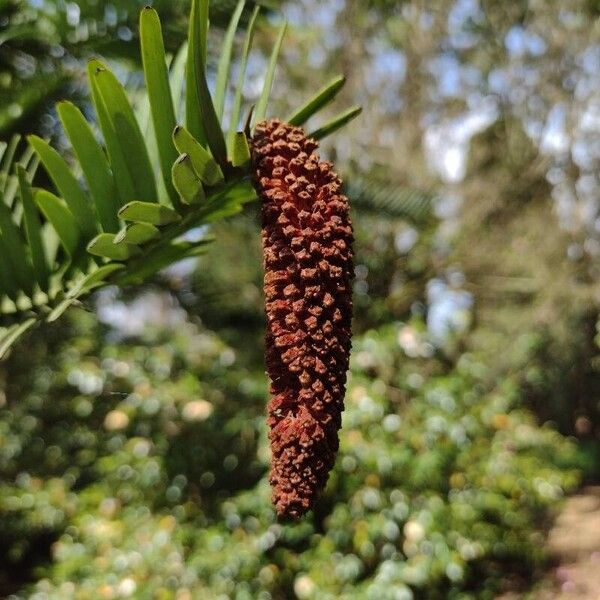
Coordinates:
<point>307,242</point>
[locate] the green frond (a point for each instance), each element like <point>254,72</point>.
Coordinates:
<point>113,224</point>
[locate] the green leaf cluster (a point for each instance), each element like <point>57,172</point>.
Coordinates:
<point>120,215</point>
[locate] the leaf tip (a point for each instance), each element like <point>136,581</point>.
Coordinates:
<point>123,209</point>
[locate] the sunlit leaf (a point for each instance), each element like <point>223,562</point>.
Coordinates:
<point>94,164</point>
<point>123,178</point>
<point>336,123</point>
<point>261,107</point>
<point>136,234</point>
<point>67,186</point>
<point>321,99</point>
<point>237,100</point>
<point>204,165</point>
<point>159,91</point>
<point>195,68</point>
<point>210,130</point>
<point>225,60</point>
<point>148,212</point>
<point>103,245</point>
<point>240,154</point>
<point>128,134</point>
<point>186,182</point>
<point>58,214</point>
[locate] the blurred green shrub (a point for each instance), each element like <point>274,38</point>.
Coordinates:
<point>140,468</point>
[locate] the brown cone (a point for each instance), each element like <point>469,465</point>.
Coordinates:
<point>307,242</point>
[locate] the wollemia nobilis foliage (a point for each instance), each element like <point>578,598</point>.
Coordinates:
<point>307,241</point>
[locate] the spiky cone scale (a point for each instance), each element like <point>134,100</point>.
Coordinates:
<point>307,243</point>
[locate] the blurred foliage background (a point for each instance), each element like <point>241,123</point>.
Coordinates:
<point>133,455</point>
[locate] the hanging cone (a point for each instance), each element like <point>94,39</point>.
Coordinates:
<point>307,241</point>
